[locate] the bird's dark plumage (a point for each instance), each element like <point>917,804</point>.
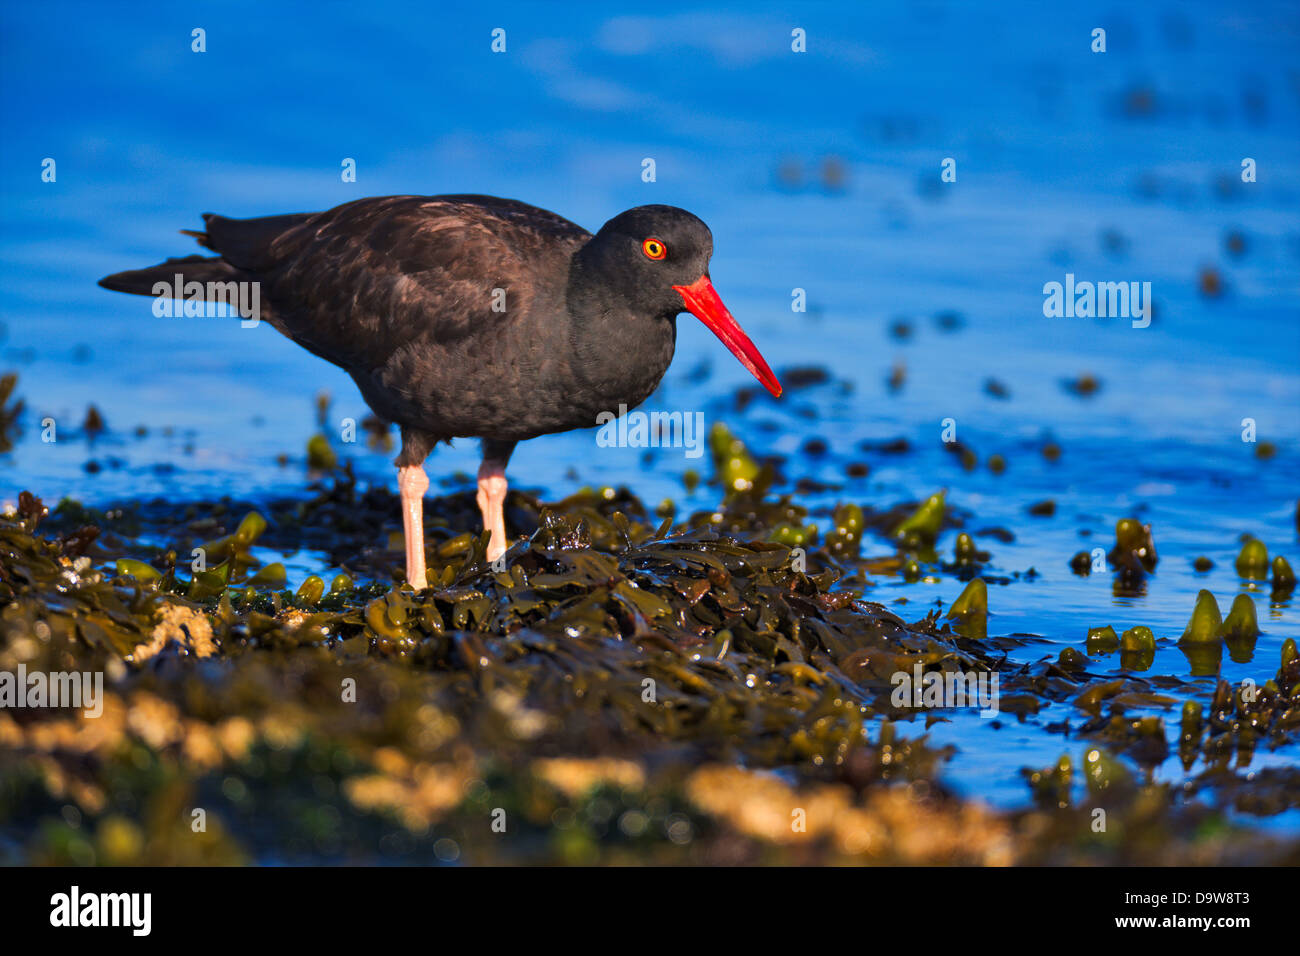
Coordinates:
<point>457,315</point>
<point>473,316</point>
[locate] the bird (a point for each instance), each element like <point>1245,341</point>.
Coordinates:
<point>468,316</point>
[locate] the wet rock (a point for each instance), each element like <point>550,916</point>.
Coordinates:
<point>93,423</point>
<point>1210,283</point>
<point>1085,386</point>
<point>996,389</point>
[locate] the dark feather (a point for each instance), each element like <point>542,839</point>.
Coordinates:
<point>192,268</point>
<point>400,292</point>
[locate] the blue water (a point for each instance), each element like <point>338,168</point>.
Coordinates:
<point>818,171</point>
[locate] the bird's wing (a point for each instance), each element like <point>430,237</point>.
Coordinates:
<point>362,281</point>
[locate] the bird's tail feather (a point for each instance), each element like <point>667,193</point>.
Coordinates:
<point>247,243</point>
<point>201,269</point>
<point>245,246</point>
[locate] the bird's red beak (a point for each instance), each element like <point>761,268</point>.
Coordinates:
<point>703,301</point>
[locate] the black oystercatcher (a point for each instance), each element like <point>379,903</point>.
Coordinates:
<point>470,316</point>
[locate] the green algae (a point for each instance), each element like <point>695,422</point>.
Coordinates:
<point>964,551</point>
<point>310,591</point>
<point>321,456</point>
<point>144,573</point>
<point>11,412</point>
<point>1241,621</point>
<point>1052,786</point>
<point>1240,629</point>
<point>1206,624</point>
<point>1102,640</point>
<point>1137,648</point>
<point>1102,772</point>
<point>271,576</point>
<point>1191,723</point>
<point>251,527</point>
<point>923,525</point>
<point>793,536</point>
<point>1283,578</point>
<point>1132,536</point>
<point>1252,560</point>
<point>1137,638</point>
<point>845,538</point>
<point>971,610</point>
<point>1134,555</point>
<point>1071,660</point>
<point>732,462</point>
<point>236,545</point>
<point>209,584</point>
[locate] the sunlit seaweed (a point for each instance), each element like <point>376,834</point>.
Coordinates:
<point>625,689</point>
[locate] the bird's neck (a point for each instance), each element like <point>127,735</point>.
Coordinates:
<point>620,351</point>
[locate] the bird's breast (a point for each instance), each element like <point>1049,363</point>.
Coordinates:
<point>620,365</point>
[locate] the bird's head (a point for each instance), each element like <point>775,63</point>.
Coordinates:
<point>657,258</point>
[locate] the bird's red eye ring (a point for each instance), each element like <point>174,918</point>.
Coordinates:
<point>654,249</point>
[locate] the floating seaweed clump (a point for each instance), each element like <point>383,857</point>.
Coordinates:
<point>620,689</point>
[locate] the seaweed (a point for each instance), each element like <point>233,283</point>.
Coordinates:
<point>712,690</point>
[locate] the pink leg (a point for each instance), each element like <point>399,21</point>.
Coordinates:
<point>412,483</point>
<point>491,503</point>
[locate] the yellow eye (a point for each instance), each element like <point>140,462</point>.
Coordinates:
<point>654,249</point>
